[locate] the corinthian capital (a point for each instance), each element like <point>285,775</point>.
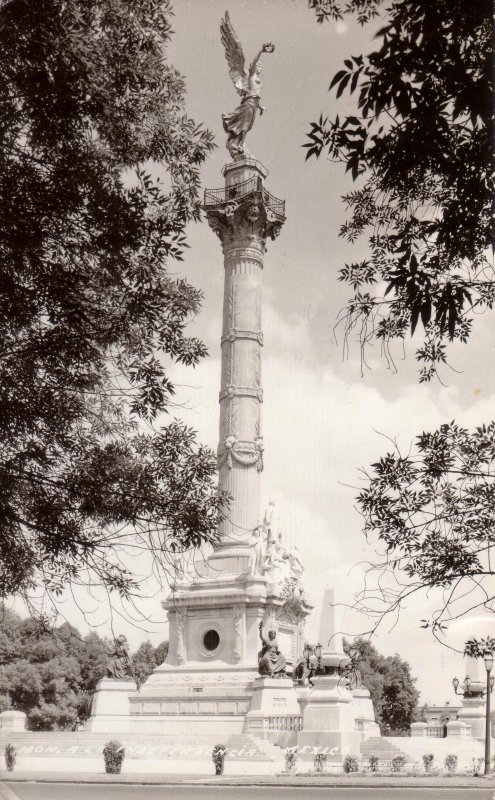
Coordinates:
<point>246,221</point>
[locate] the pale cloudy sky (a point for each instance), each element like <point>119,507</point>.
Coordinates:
<point>321,417</point>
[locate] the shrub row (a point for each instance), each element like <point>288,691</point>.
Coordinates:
<point>397,764</point>
<point>114,754</point>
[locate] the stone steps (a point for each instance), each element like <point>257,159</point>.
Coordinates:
<point>414,748</point>
<point>245,745</point>
<point>381,747</point>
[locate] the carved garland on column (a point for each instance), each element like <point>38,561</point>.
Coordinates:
<point>245,454</point>
<point>236,333</point>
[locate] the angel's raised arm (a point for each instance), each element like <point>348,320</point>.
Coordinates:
<point>267,48</point>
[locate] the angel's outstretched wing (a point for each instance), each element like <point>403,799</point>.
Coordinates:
<point>233,54</point>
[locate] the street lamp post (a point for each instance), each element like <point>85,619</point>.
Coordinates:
<point>488,659</point>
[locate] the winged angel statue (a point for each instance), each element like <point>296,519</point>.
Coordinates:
<point>248,85</point>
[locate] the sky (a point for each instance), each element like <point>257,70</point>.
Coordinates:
<point>323,419</point>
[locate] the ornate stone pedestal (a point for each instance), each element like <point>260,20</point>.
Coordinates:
<point>211,670</point>
<point>110,710</point>
<point>328,721</point>
<point>328,716</point>
<point>274,712</point>
<point>473,711</point>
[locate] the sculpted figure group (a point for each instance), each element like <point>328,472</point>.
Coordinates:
<point>269,557</point>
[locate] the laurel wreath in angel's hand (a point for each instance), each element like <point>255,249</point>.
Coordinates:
<point>235,55</point>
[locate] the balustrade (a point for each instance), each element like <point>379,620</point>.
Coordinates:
<point>284,723</point>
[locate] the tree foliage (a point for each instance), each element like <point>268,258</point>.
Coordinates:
<point>420,147</point>
<point>391,686</point>
<point>431,513</point>
<point>51,673</point>
<point>147,658</point>
<point>98,178</point>
<point>479,647</point>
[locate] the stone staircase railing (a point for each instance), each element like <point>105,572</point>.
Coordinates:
<point>285,723</point>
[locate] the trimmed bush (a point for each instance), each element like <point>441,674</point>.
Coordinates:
<point>478,764</point>
<point>218,755</point>
<point>374,763</point>
<point>10,757</point>
<point>450,763</point>
<point>351,764</point>
<point>290,760</point>
<point>398,763</point>
<point>114,754</point>
<point>319,762</point>
<point>428,759</point>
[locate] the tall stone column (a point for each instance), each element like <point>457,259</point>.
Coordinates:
<point>244,215</point>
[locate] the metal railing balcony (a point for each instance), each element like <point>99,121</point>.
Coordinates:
<point>216,197</point>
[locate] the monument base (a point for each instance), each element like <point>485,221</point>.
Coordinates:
<point>364,713</point>
<point>473,714</point>
<point>111,710</point>
<point>274,712</point>
<point>328,721</point>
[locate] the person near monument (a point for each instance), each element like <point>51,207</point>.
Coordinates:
<point>119,664</point>
<point>271,662</point>
<point>239,122</point>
